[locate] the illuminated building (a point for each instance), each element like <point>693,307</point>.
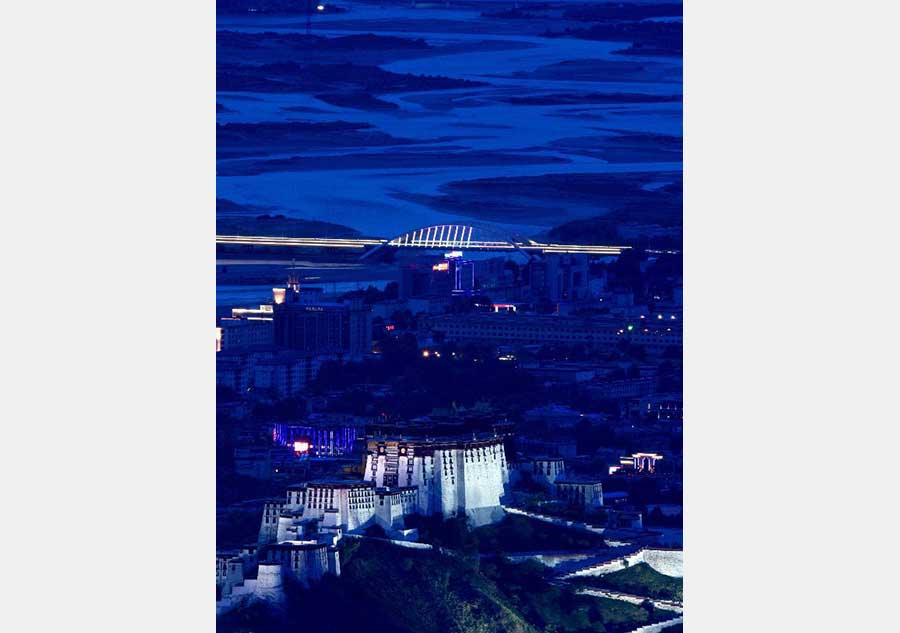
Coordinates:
<point>454,276</point>
<point>402,477</point>
<point>325,439</point>
<point>441,280</point>
<point>462,273</point>
<point>637,462</point>
<point>263,313</point>
<point>304,323</point>
<point>449,475</point>
<point>351,502</point>
<point>338,506</point>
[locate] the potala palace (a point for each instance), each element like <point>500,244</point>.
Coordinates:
<point>298,534</point>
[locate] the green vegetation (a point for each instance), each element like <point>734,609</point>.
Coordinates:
<point>513,534</point>
<point>421,591</point>
<point>551,607</point>
<point>642,580</point>
<point>619,615</point>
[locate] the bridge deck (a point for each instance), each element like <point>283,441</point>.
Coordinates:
<point>363,244</point>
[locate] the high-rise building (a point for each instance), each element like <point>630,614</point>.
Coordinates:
<point>415,281</point>
<point>560,277</point>
<point>441,283</point>
<point>462,272</point>
<point>304,322</point>
<point>455,275</point>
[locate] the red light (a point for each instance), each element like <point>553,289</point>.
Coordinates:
<point>301,446</point>
<point>389,328</point>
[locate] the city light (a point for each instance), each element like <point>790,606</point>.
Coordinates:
<point>539,355</point>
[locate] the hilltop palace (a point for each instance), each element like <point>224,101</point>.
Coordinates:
<point>298,534</point>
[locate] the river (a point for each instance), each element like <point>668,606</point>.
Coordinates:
<point>376,200</point>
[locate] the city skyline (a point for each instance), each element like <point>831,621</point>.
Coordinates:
<point>449,315</point>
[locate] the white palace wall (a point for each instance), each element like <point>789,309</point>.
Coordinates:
<point>666,561</point>
<point>659,626</point>
<point>481,483</point>
<point>669,562</point>
<point>451,477</point>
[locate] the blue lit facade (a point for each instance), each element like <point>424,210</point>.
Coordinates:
<point>325,440</point>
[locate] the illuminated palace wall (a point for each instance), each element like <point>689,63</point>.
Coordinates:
<point>450,476</point>
<point>346,505</point>
<point>355,502</point>
<point>402,477</point>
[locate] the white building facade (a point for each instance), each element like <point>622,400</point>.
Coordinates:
<point>451,476</point>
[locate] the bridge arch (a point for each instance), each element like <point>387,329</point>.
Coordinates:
<point>456,236</point>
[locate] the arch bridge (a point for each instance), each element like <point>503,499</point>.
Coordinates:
<point>478,237</point>
<point>470,236</point>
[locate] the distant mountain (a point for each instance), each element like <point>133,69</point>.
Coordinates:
<point>231,222</point>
